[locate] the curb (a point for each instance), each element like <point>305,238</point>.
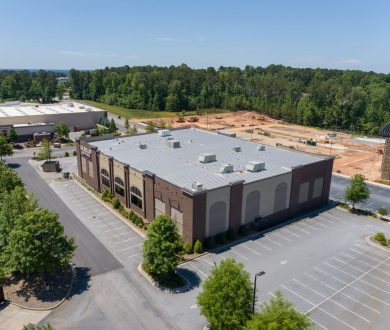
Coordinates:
<point>159,287</point>
<point>49,308</point>
<point>368,240</point>
<point>117,214</point>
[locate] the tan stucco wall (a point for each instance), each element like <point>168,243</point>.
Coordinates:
<point>103,162</point>
<point>119,170</point>
<point>214,196</point>
<point>136,179</point>
<point>266,188</point>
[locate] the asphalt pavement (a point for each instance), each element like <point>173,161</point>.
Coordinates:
<point>380,194</point>
<point>90,253</point>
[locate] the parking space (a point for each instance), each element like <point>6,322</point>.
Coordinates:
<point>121,240</point>
<point>323,265</point>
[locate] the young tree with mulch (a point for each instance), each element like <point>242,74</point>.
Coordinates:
<point>357,190</point>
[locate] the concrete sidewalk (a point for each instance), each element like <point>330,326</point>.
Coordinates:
<point>14,318</point>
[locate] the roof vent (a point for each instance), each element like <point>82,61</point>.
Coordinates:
<point>237,148</point>
<point>142,146</point>
<point>255,166</point>
<point>164,132</point>
<point>173,144</point>
<point>197,186</point>
<point>226,168</point>
<point>260,148</point>
<point>207,158</point>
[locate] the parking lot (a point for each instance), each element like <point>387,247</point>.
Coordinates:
<point>117,237</point>
<point>342,284</point>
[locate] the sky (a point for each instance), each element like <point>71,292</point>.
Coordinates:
<point>90,34</point>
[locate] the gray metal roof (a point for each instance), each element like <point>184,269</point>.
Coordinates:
<point>181,167</point>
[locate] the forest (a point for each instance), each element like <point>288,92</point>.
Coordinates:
<point>336,99</point>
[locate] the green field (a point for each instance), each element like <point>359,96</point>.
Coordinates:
<point>144,114</point>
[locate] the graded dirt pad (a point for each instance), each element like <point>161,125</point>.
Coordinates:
<point>351,154</point>
<point>31,292</point>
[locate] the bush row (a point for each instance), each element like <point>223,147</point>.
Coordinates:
<point>116,204</point>
<point>381,238</point>
<point>189,249</point>
<point>222,238</point>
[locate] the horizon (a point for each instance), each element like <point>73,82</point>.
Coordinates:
<point>351,35</point>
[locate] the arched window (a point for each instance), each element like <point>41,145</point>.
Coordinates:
<point>119,186</point>
<point>280,197</point>
<point>105,177</point>
<point>252,210</point>
<point>217,218</point>
<point>136,197</point>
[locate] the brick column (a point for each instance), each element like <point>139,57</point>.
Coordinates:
<point>111,168</point>
<point>80,172</point>
<point>127,185</point>
<point>148,195</point>
<point>236,190</point>
<point>386,161</point>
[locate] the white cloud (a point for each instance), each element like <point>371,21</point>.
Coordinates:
<point>199,37</point>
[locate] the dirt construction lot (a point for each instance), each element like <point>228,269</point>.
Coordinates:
<point>354,154</point>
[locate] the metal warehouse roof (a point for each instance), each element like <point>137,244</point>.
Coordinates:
<point>181,167</point>
<point>43,109</point>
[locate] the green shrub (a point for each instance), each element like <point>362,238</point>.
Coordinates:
<point>381,238</point>
<point>106,195</point>
<point>243,230</point>
<point>209,243</point>
<point>198,248</point>
<point>66,154</point>
<point>74,153</point>
<point>220,238</point>
<point>383,211</point>
<point>116,203</point>
<point>187,247</point>
<point>230,234</point>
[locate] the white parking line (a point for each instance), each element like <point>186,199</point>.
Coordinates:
<point>353,287</point>
<point>240,255</point>
<point>125,240</point>
<point>130,247</point>
<point>298,295</point>
<point>364,254</point>
<point>349,284</point>
<point>318,223</point>
<point>275,233</point>
<point>356,259</point>
<point>296,227</point>
<point>198,270</point>
<point>134,255</point>
<point>262,245</point>
<point>276,243</point>
<point>333,301</point>
<point>210,263</point>
<point>305,225</point>
<point>113,229</point>
<point>249,249</point>
<point>344,294</point>
<point>290,232</point>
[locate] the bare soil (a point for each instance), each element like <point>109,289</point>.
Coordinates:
<point>351,155</point>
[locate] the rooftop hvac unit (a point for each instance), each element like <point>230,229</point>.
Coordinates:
<point>164,132</point>
<point>226,168</point>
<point>255,166</point>
<point>260,148</point>
<point>237,149</point>
<point>197,186</point>
<point>173,144</point>
<point>207,158</point>
<point>142,146</point>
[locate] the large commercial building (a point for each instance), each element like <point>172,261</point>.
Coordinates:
<point>206,182</point>
<point>29,119</point>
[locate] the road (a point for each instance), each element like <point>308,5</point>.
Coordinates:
<point>380,194</point>
<point>90,253</point>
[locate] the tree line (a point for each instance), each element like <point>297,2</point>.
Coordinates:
<point>337,99</point>
<point>22,85</point>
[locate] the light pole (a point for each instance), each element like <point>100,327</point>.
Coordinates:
<point>254,290</point>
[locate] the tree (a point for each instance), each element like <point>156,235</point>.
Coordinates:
<point>127,123</point>
<point>163,247</point>
<point>45,152</point>
<point>37,243</point>
<point>226,298</point>
<point>112,127</point>
<point>357,190</point>
<point>279,314</point>
<point>150,127</point>
<point>9,180</point>
<point>62,130</point>
<point>5,148</point>
<point>132,131</point>
<point>11,135</point>
<point>60,91</point>
<point>30,326</point>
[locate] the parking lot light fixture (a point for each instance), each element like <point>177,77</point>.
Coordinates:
<point>254,290</point>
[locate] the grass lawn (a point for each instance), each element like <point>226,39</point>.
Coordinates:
<point>144,114</point>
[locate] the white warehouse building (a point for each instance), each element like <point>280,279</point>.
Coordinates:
<point>29,119</point>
